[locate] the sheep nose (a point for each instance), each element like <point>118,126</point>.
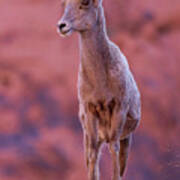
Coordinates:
<point>62,26</point>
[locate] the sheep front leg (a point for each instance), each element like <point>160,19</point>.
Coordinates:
<point>93,162</point>
<point>118,121</point>
<point>114,148</point>
<point>92,150</point>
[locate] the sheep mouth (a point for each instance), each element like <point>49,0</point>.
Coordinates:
<point>65,32</point>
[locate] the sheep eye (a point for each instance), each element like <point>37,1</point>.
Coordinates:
<point>85,2</point>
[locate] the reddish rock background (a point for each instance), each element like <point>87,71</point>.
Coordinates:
<point>40,135</point>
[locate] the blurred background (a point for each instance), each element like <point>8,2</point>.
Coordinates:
<point>40,134</point>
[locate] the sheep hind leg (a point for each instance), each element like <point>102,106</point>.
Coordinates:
<point>86,148</point>
<point>123,153</point>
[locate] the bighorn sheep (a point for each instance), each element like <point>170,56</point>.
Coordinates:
<point>109,99</point>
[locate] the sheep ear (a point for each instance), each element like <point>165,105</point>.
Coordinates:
<point>62,3</point>
<point>97,2</point>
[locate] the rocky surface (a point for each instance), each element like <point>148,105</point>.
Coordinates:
<point>40,135</point>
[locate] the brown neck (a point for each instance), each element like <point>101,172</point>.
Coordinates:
<point>94,50</point>
<point>96,38</point>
